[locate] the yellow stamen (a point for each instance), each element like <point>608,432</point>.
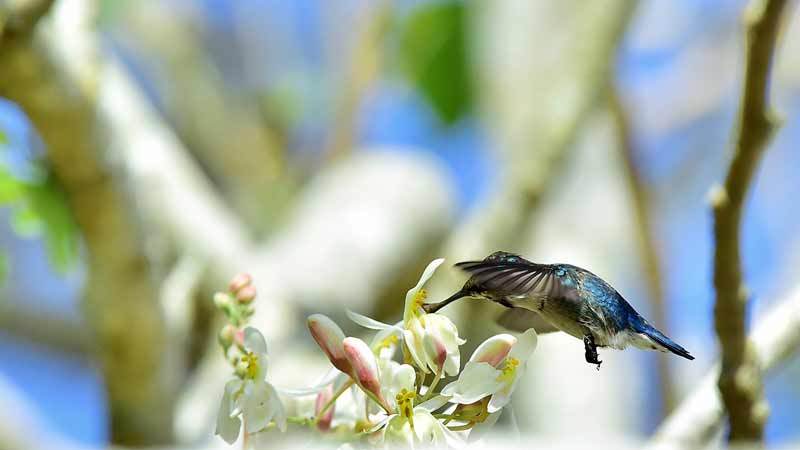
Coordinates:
<point>405,405</point>
<point>388,341</point>
<point>252,365</point>
<point>509,368</point>
<point>419,298</point>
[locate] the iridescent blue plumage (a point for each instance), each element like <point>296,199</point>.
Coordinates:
<point>563,297</point>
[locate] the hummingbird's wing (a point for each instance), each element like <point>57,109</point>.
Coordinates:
<point>512,275</point>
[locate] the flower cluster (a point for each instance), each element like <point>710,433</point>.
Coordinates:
<point>398,377</point>
<point>248,397</point>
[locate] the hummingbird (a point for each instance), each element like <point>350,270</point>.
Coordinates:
<point>559,297</point>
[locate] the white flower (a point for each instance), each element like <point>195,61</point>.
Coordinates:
<point>432,339</point>
<point>394,378</point>
<point>411,425</point>
<point>252,398</point>
<point>480,379</point>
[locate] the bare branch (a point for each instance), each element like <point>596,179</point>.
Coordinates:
<point>775,339</point>
<point>740,379</point>
<point>18,17</point>
<point>364,67</point>
<point>250,169</point>
<point>79,103</point>
<point>648,251</point>
<point>120,301</point>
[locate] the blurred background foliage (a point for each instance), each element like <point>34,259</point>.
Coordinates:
<point>353,141</point>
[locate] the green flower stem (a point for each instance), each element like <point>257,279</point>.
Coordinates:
<point>333,399</point>
<point>299,420</point>
<point>375,399</point>
<point>462,427</point>
<point>436,378</point>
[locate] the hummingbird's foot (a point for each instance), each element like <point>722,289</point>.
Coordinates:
<point>591,350</point>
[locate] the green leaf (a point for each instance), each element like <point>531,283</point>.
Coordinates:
<point>25,222</point>
<point>3,138</point>
<point>57,224</point>
<point>11,190</point>
<point>433,54</point>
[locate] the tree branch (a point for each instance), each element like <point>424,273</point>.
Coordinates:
<point>740,379</point>
<point>648,251</point>
<point>775,338</point>
<point>18,17</point>
<point>205,114</point>
<point>120,302</point>
<point>360,73</point>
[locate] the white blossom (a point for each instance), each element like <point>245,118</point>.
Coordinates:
<point>250,399</point>
<point>480,379</point>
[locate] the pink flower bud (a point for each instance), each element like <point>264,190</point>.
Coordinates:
<point>329,337</point>
<point>324,396</point>
<point>239,281</point>
<point>246,294</point>
<point>226,336</point>
<point>365,368</point>
<point>238,338</point>
<point>494,349</point>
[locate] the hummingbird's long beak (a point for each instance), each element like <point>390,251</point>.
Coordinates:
<point>433,307</point>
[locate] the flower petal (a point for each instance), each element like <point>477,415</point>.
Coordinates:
<point>228,427</point>
<point>384,343</point>
<point>261,406</point>
<point>435,351</point>
<point>381,423</point>
<point>525,346</point>
<point>426,275</point>
<point>261,366</point>
<point>333,376</point>
<point>415,348</point>
<point>323,398</point>
<point>256,409</point>
<point>329,337</point>
<point>434,403</point>
<point>499,400</point>
<point>280,414</point>
<point>365,367</point>
<point>254,341</point>
<point>404,378</point>
<point>476,381</point>
<point>480,429</point>
<point>367,322</point>
<point>494,349</point>
<point>398,433</point>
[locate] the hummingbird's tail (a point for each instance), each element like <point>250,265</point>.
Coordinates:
<point>662,341</point>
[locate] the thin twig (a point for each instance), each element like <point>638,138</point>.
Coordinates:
<point>333,399</point>
<point>740,377</point>
<point>648,250</point>
<point>365,64</point>
<point>776,338</point>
